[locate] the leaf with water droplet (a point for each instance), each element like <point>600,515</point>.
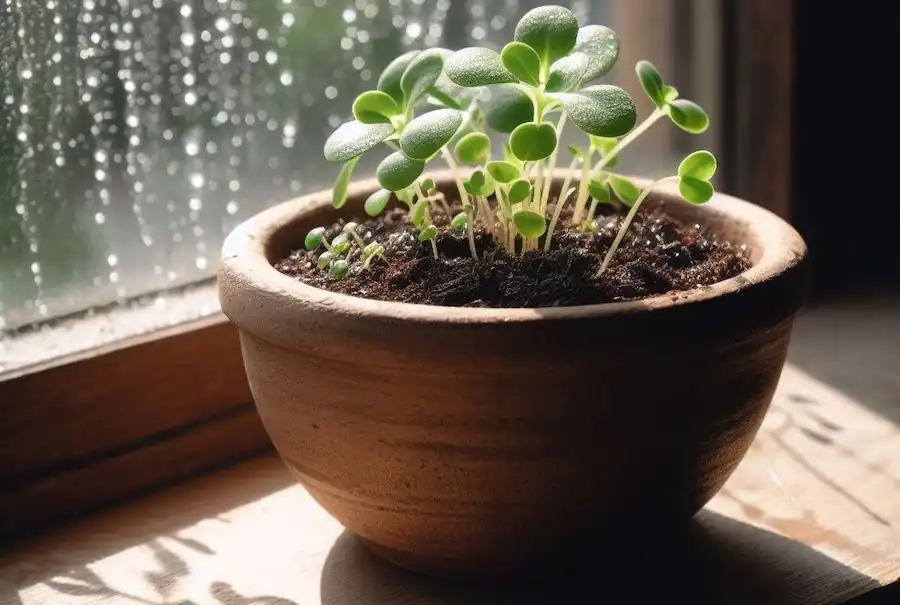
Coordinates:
<point>398,171</point>
<point>601,45</point>
<point>567,73</point>
<point>377,202</point>
<point>342,184</point>
<point>476,66</point>
<point>603,109</point>
<point>428,133</point>
<point>550,30</point>
<point>420,75</point>
<point>353,139</point>
<point>509,108</point>
<point>389,81</point>
<point>522,62</point>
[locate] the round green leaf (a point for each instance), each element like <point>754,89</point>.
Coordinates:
<point>338,269</point>
<point>342,184</point>
<point>688,116</point>
<point>428,233</point>
<point>531,141</point>
<point>625,190</point>
<point>389,81</point>
<point>374,106</point>
<point>601,45</point>
<point>428,133</point>
<point>377,202</point>
<point>530,224</point>
<point>420,75</point>
<point>479,184</point>
<point>522,62</point>
<point>314,238</point>
<point>474,148</point>
<point>460,221</point>
<point>324,259</point>
<point>698,165</point>
<point>518,191</point>
<point>567,73</point>
<point>550,30</point>
<point>602,110</point>
<point>507,109</point>
<point>427,184</point>
<point>355,138</point>
<point>694,190</point>
<point>397,171</point>
<point>340,244</point>
<point>476,66</point>
<point>600,191</point>
<point>503,172</point>
<point>651,82</point>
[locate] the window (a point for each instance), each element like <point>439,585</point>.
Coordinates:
<point>134,134</point>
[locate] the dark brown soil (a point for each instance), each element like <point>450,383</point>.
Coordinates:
<point>658,255</point>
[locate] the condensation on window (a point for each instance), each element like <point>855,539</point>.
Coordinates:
<point>135,134</point>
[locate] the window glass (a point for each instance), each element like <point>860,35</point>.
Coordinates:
<point>134,134</point>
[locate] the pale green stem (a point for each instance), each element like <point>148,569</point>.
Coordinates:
<point>627,222</point>
<point>536,189</point>
<point>488,217</point>
<point>548,180</point>
<point>629,139</point>
<point>454,168</point>
<point>591,211</point>
<point>470,230</point>
<point>434,248</point>
<point>581,200</point>
<point>559,205</point>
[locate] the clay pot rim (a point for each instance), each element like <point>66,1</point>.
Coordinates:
<point>245,258</point>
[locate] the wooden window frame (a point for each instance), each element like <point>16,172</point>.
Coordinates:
<point>106,424</point>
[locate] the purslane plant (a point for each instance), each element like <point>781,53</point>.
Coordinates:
<point>429,105</point>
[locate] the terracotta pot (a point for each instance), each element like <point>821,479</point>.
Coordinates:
<point>464,441</point>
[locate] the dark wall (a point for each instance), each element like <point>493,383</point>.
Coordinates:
<point>846,181</point>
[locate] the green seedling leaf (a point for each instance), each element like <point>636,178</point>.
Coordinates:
<point>522,62</point>
<point>479,184</point>
<point>695,191</point>
<point>340,244</point>
<point>428,233</point>
<point>476,66</point>
<point>567,73</point>
<point>398,171</point>
<point>420,75</point>
<point>405,196</point>
<point>459,221</point>
<point>531,141</point>
<point>389,81</point>
<point>338,269</point>
<point>509,108</point>
<point>550,30</point>
<point>377,202</point>
<point>372,249</point>
<point>375,106</point>
<point>354,138</point>
<point>606,145</point>
<point>417,214</point>
<point>670,93</point>
<point>519,191</point>
<point>342,184</point>
<point>577,152</point>
<point>651,82</point>
<point>325,259</point>
<point>698,165</point>
<point>428,133</point>
<point>530,224</point>
<point>625,190</point>
<point>688,116</point>
<point>601,45</point>
<point>602,110</point>
<point>314,238</point>
<point>503,172</point>
<point>473,148</point>
<point>427,184</point>
<point>600,191</point>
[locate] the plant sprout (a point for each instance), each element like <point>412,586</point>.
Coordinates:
<point>429,106</point>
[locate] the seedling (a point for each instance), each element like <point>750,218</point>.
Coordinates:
<point>429,106</point>
<point>346,252</point>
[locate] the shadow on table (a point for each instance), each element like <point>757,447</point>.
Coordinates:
<point>719,561</point>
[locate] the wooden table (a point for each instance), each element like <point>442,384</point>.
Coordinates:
<point>812,516</point>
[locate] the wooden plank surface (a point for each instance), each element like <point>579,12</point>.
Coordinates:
<point>812,516</point>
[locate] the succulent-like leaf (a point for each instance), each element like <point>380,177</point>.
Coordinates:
<point>519,190</point>
<point>688,116</point>
<point>670,93</point>
<point>651,81</point>
<point>355,138</point>
<point>625,190</point>
<point>698,165</point>
<point>417,214</point>
<point>503,172</point>
<point>550,30</point>
<point>531,141</point>
<point>476,66</point>
<point>389,81</point>
<point>601,45</point>
<point>428,233</point>
<point>599,190</point>
<point>695,191</point>
<point>340,244</point>
<point>522,62</point>
<point>420,75</point>
<point>602,110</point>
<point>429,132</point>
<point>473,148</point>
<point>377,202</point>
<point>480,184</point>
<point>375,106</point>
<point>530,224</point>
<point>508,108</point>
<point>398,171</point>
<point>338,269</point>
<point>314,238</point>
<point>325,259</point>
<point>567,73</point>
<point>460,221</point>
<point>342,184</point>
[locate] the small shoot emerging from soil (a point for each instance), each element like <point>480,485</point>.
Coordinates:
<point>429,106</point>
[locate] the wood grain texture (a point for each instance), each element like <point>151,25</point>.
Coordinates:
<point>811,517</point>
